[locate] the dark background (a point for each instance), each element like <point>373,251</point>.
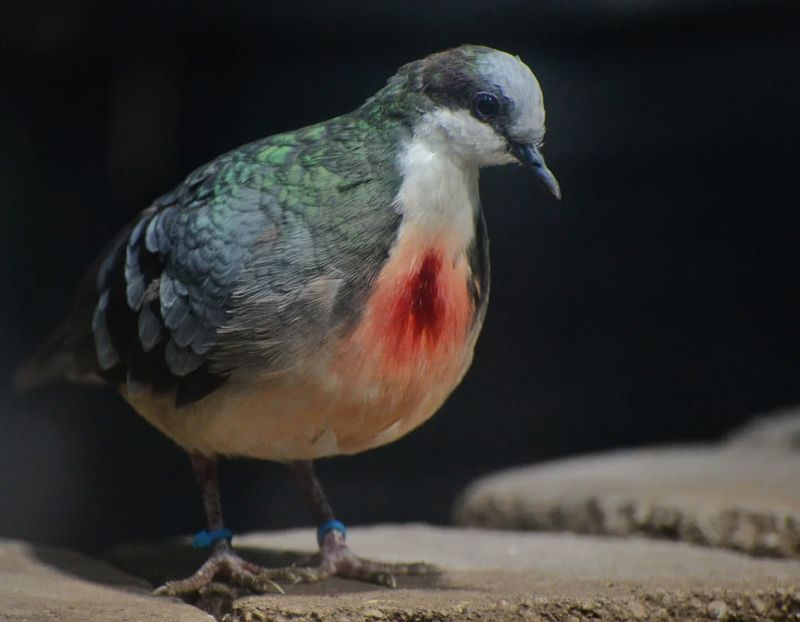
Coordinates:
<point>656,303</point>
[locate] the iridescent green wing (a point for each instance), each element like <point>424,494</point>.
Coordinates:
<point>248,263</point>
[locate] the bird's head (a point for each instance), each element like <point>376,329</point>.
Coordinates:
<point>483,105</point>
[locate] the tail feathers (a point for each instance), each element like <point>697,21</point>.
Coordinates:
<point>53,363</point>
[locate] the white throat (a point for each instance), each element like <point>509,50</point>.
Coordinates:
<point>438,197</point>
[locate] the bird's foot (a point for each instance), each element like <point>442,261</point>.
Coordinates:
<point>223,561</point>
<point>335,559</point>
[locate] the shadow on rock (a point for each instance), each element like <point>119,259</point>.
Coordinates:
<point>80,566</point>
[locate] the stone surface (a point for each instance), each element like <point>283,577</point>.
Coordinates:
<point>743,495</point>
<point>485,575</point>
<point>496,575</point>
<point>41,583</point>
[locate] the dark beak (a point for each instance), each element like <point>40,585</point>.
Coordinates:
<point>531,157</point>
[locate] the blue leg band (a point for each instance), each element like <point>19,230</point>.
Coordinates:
<point>331,525</point>
<point>204,539</point>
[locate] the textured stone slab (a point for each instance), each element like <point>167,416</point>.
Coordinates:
<point>744,495</point>
<point>40,583</point>
<point>485,575</point>
<point>503,576</point>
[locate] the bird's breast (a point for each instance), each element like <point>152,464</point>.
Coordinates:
<point>419,314</point>
<point>410,348</point>
<point>418,317</point>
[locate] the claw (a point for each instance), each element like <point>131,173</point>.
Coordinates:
<point>239,571</point>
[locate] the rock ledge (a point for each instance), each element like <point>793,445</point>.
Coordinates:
<point>740,496</point>
<point>486,575</point>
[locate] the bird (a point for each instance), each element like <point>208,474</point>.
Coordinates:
<point>315,293</point>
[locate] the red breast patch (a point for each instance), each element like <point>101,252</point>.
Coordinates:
<point>419,308</point>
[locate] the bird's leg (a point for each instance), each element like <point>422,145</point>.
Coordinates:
<point>334,557</point>
<point>223,560</point>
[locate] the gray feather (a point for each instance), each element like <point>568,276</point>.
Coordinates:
<point>134,277</point>
<point>181,361</point>
<point>156,239</point>
<point>167,294</point>
<point>175,315</point>
<point>149,328</point>
<point>107,355</point>
<point>187,329</point>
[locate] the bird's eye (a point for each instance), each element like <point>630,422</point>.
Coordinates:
<point>485,106</point>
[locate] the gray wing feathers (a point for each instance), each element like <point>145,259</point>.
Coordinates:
<point>182,259</point>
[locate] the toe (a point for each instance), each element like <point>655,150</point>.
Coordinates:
<point>258,582</point>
